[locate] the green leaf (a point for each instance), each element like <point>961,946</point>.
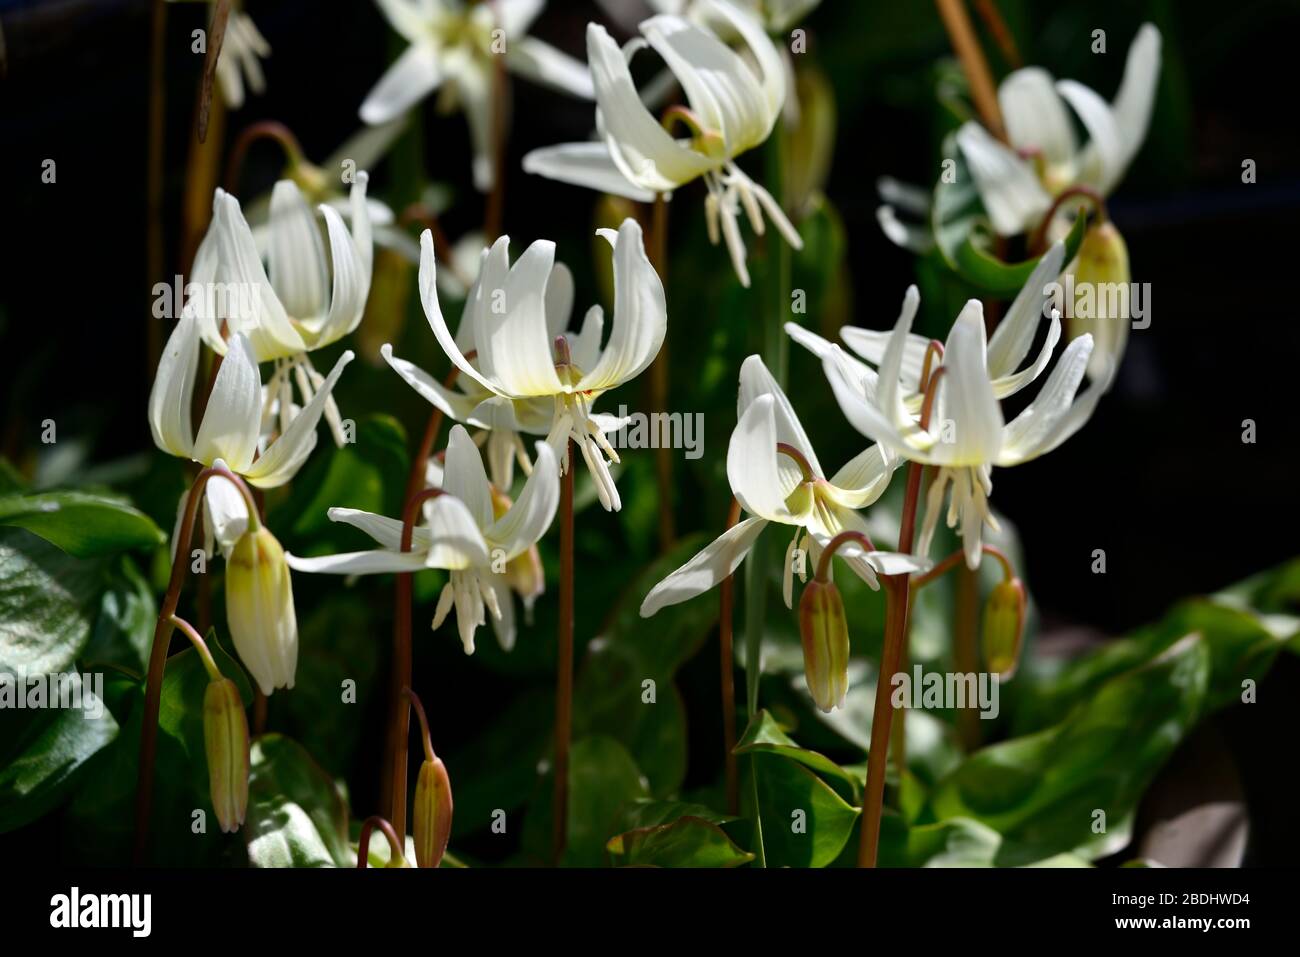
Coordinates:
<point>1042,792</point>
<point>685,842</point>
<point>805,823</point>
<point>82,524</point>
<point>297,816</point>
<point>47,603</point>
<point>765,735</point>
<point>42,750</point>
<point>610,690</point>
<point>603,781</point>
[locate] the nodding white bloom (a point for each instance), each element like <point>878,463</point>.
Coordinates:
<point>1018,182</point>
<point>237,428</point>
<point>733,105</point>
<point>242,50</point>
<point>462,533</point>
<point>966,434</point>
<point>485,301</point>
<point>526,369</point>
<point>300,300</point>
<point>776,477</point>
<point>454,48</point>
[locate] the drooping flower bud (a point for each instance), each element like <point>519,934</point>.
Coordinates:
<point>825,636</point>
<point>259,607</point>
<point>432,813</point>
<point>1101,296</point>
<point>1004,626</point>
<point>225,739</point>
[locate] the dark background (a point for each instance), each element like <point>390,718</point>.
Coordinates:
<point>1160,479</point>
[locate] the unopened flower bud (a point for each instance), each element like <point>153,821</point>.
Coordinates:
<point>259,607</point>
<point>1101,296</point>
<point>825,636</point>
<point>225,739</point>
<point>432,816</point>
<point>1004,626</point>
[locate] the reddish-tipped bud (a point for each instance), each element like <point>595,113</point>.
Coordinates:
<point>1004,626</point>
<point>825,636</point>
<point>225,739</point>
<point>432,825</point>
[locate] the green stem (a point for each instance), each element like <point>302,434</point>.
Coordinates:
<point>200,646</point>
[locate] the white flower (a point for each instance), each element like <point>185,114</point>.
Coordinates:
<point>300,300</point>
<point>966,435</point>
<point>525,370</point>
<point>533,415</point>
<point>234,428</point>
<point>461,533</point>
<point>776,477</point>
<point>1018,182</point>
<point>775,15</point>
<point>733,105</point>
<point>454,47</point>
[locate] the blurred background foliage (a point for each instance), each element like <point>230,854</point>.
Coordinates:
<point>1160,479</point>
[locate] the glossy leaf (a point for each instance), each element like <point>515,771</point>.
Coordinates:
<point>297,816</point>
<point>80,523</point>
<point>686,842</point>
<point>805,823</point>
<point>48,601</point>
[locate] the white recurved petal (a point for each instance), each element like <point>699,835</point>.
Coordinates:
<point>452,402</point>
<point>644,152</point>
<point>1106,158</point>
<point>585,164</point>
<point>752,467</point>
<point>1015,333</point>
<point>374,562</point>
<point>350,288</point>
<point>282,459</point>
<point>863,478</point>
<point>541,62</point>
<point>464,477</point>
<point>1035,117</point>
<point>1007,184</point>
<point>384,530</point>
<point>756,381</point>
<point>295,255</point>
<point>710,566</point>
<point>858,406</point>
<point>640,313</point>
<point>455,540</point>
<point>967,406</point>
<point>433,312</point>
<point>871,344</point>
<point>416,73</point>
<point>530,516</point>
<point>232,419</point>
<point>1054,415</point>
<point>171,397</point>
<point>514,346</point>
<point>1132,104</point>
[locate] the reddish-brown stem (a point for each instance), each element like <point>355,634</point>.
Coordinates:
<point>263,130</point>
<point>967,47</point>
<point>992,17</point>
<point>158,655</point>
<point>564,665</point>
<point>931,393</point>
<point>424,722</point>
<point>932,351</point>
<point>727,603</point>
<point>896,614</point>
<point>420,463</point>
<point>363,844</point>
<point>216,37</point>
<point>966,649</point>
<point>950,562</point>
<point>400,722</point>
<point>824,563</point>
<point>1038,242</point>
<point>799,459</point>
